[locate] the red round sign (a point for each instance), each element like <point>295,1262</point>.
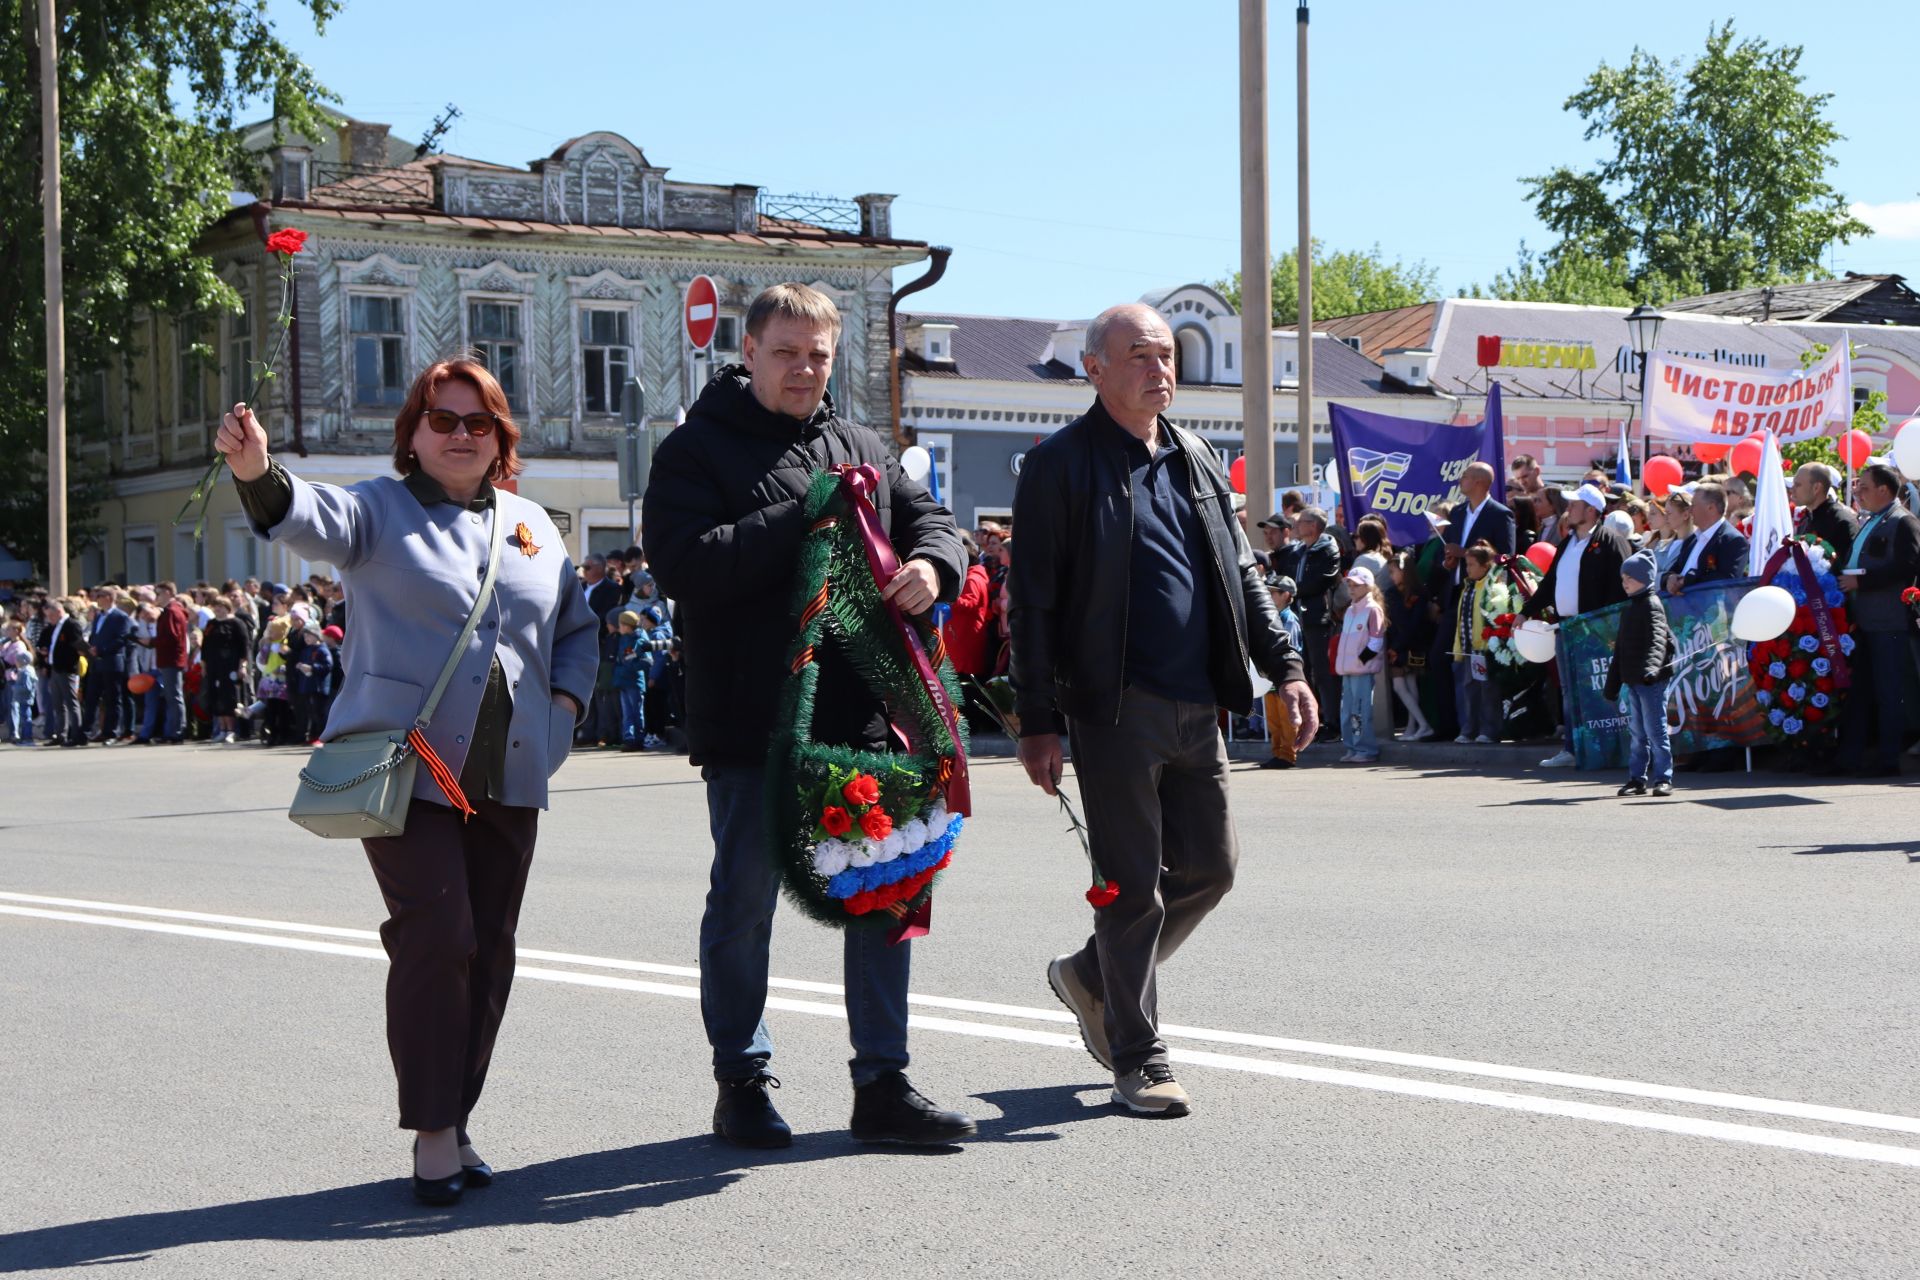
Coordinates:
<point>702,312</point>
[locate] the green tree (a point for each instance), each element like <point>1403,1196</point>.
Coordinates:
<point>149,95</point>
<point>1715,179</point>
<point>1345,283</point>
<point>1569,275</point>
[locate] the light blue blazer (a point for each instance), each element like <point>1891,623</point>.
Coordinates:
<point>411,573</point>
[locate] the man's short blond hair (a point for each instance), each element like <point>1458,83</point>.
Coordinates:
<point>793,302</point>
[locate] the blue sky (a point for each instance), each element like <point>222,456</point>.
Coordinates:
<point>1078,155</point>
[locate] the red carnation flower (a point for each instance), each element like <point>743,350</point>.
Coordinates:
<point>876,823</point>
<point>1824,684</point>
<point>836,820</point>
<point>1816,713</point>
<point>862,791</point>
<point>287,240</point>
<point>1103,895</point>
<point>1910,596</point>
<point>1803,618</point>
<point>1797,668</point>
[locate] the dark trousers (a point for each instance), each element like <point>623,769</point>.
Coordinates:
<point>1876,704</point>
<point>1154,787</point>
<point>453,894</point>
<point>1315,640</point>
<point>102,688</point>
<point>63,707</point>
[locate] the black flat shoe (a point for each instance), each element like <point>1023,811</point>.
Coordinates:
<point>478,1175</point>
<point>439,1191</point>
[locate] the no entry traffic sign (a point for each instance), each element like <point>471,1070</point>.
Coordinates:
<point>702,312</point>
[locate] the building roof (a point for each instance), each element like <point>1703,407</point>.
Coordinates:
<point>1383,331</point>
<point>1020,349</point>
<point>1853,299</point>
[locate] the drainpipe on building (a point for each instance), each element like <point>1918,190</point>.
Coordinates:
<point>938,268</point>
<point>260,210</point>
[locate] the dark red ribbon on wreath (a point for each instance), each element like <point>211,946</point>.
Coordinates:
<point>857,485</point>
<point>1816,603</point>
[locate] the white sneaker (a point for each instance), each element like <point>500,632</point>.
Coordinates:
<point>1564,760</point>
<point>1483,739</point>
<point>1464,739</point>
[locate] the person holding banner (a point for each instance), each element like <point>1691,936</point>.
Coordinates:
<point>1585,576</point>
<point>1716,552</point>
<point>1884,561</point>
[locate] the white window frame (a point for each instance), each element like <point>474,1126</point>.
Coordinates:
<point>522,404</point>
<point>239,371</point>
<point>183,332</point>
<point>580,344</point>
<point>196,552</point>
<point>349,366</point>
<point>148,534</point>
<point>239,537</point>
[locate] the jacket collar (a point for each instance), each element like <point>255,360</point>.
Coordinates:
<point>428,491</point>
<point>1118,435</point>
<point>729,398</point>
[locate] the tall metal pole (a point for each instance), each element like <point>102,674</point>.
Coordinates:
<point>1305,326</point>
<point>56,308</point>
<point>1256,263</point>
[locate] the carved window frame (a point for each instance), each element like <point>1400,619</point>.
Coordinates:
<point>384,277</point>
<point>605,290</point>
<point>498,282</point>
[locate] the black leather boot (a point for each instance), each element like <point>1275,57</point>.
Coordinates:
<point>745,1115</point>
<point>891,1110</point>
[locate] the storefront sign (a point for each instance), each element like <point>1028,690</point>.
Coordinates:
<point>1528,353</point>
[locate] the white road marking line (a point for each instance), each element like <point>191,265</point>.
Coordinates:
<point>1753,1135</point>
<point>1529,1075</point>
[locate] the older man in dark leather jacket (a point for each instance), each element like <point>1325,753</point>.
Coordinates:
<point>1137,609</point>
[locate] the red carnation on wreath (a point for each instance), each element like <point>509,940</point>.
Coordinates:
<point>835,820</point>
<point>287,240</point>
<point>1103,894</point>
<point>862,791</point>
<point>876,824</point>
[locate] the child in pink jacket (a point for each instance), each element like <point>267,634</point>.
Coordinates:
<point>1357,659</point>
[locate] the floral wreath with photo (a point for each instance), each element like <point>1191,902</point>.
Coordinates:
<point>1800,677</point>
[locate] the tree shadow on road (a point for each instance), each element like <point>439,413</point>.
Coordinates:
<point>571,1189</point>
<point>1911,848</point>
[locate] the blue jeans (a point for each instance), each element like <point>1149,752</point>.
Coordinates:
<point>1475,702</point>
<point>633,715</point>
<point>173,701</point>
<point>737,929</point>
<point>20,699</point>
<point>1647,723</point>
<point>1356,715</point>
<point>149,711</point>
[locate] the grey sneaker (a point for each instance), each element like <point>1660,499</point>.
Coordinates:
<point>1152,1091</point>
<point>1087,1009</point>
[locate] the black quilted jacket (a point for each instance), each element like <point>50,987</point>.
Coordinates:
<point>723,523</point>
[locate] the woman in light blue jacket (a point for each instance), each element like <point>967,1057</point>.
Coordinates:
<point>412,552</point>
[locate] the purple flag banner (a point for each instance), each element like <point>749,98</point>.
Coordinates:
<point>1396,468</point>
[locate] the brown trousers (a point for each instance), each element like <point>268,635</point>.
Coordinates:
<point>1280,729</point>
<point>1155,790</point>
<point>453,894</point>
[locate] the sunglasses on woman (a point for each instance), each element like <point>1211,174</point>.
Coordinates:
<point>478,425</point>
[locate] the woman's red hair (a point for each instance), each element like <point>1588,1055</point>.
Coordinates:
<point>492,398</point>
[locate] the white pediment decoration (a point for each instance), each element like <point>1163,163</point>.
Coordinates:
<point>379,270</point>
<point>608,284</point>
<point>496,277</point>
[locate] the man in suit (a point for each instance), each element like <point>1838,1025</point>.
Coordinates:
<point>1821,514</point>
<point>1585,576</point>
<point>106,676</point>
<point>1478,517</point>
<point>62,644</point>
<point>1883,562</point>
<point>1314,566</point>
<point>602,592</point>
<point>1716,551</point>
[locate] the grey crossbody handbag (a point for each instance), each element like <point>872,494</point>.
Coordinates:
<point>358,786</point>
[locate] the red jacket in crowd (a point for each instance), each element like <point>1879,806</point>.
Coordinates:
<point>966,632</point>
<point>170,636</point>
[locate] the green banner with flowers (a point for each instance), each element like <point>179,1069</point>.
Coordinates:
<point>1711,701</point>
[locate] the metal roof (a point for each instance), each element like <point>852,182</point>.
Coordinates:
<point>1864,299</point>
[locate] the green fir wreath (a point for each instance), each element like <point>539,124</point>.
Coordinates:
<point>860,837</point>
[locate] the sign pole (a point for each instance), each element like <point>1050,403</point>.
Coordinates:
<point>56,304</point>
<point>1305,325</point>
<point>1256,264</point>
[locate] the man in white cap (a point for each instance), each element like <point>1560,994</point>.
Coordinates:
<point>1585,576</point>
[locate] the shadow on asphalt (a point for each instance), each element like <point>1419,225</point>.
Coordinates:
<point>603,1184</point>
<point>1911,848</point>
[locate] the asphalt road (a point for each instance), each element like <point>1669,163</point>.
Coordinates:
<point>1446,1025</point>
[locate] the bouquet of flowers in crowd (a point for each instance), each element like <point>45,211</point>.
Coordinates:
<point>1911,598</point>
<point>1499,638</point>
<point>1800,676</point>
<point>880,837</point>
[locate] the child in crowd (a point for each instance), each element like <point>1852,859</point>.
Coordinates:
<point>1358,658</point>
<point>273,704</point>
<point>1280,726</point>
<point>1409,635</point>
<point>658,633</point>
<point>1642,668</point>
<point>20,684</point>
<point>630,665</point>
<point>312,673</point>
<point>1474,694</point>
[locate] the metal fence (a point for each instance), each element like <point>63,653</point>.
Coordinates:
<point>816,210</point>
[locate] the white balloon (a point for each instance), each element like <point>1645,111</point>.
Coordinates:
<point>1535,640</point>
<point>916,462</point>
<point>1762,614</point>
<point>1906,449</point>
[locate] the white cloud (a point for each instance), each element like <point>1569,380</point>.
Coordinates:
<point>1896,220</point>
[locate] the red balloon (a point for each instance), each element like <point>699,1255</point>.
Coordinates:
<point>1237,475</point>
<point>139,683</point>
<point>1711,453</point>
<point>1855,448</point>
<point>1746,456</point>
<point>1662,473</point>
<point>1541,553</point>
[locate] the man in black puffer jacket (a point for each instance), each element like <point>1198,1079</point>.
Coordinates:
<point>725,517</point>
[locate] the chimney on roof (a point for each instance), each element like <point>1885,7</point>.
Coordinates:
<point>290,173</point>
<point>364,145</point>
<point>1766,303</point>
<point>1411,365</point>
<point>876,216</point>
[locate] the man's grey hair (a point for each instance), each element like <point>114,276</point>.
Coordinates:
<point>1101,327</point>
<point>1316,514</point>
<point>596,559</point>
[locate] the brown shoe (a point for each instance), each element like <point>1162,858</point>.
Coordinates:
<point>1087,1008</point>
<point>1151,1090</point>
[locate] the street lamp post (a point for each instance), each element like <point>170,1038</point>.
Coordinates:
<point>1643,326</point>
